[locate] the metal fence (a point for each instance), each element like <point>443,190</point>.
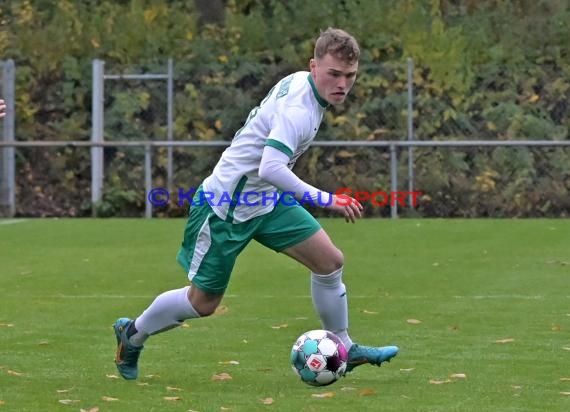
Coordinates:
<point>8,143</point>
<point>393,146</point>
<point>7,154</point>
<point>97,115</point>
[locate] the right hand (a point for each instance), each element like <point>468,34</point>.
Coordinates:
<point>347,206</point>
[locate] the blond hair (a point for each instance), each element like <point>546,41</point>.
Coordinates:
<point>339,44</point>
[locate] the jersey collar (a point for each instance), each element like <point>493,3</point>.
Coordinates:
<point>321,101</point>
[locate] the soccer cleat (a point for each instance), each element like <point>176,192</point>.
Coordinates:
<point>359,355</point>
<point>127,354</point>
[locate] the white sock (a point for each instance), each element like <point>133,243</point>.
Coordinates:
<point>329,300</point>
<point>167,311</point>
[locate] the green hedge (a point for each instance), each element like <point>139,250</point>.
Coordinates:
<point>483,70</point>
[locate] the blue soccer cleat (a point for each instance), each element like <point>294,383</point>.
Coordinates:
<point>127,354</point>
<point>359,355</point>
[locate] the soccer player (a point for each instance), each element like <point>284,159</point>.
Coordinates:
<point>221,222</point>
<point>2,108</point>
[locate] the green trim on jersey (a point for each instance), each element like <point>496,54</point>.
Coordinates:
<point>321,101</point>
<point>235,196</point>
<point>279,146</point>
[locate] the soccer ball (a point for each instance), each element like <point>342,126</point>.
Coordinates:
<point>319,357</point>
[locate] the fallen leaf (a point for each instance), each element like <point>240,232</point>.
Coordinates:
<point>69,401</point>
<point>229,362</point>
<point>438,382</point>
<point>323,395</point>
<point>367,392</point>
<point>508,340</point>
<point>151,376</point>
<point>344,154</point>
<point>458,376</point>
<point>14,373</point>
<point>172,398</point>
<point>6,325</point>
<point>565,379</point>
<point>43,343</point>
<point>2,402</point>
<point>406,370</point>
<point>267,401</point>
<point>368,312</point>
<point>556,328</point>
<point>516,387</point>
<point>142,384</point>
<point>62,390</point>
<point>565,393</point>
<point>191,410</point>
<point>223,408</point>
<point>414,321</point>
<point>94,409</point>
<point>222,377</point>
<point>566,347</point>
<point>112,376</point>
<point>172,389</point>
<point>283,325</point>
<point>347,388</point>
<point>185,325</point>
<point>109,399</point>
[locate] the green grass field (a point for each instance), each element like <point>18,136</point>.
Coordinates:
<point>492,298</point>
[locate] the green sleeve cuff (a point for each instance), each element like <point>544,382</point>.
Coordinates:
<point>279,146</point>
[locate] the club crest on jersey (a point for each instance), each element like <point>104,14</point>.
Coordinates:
<point>284,88</point>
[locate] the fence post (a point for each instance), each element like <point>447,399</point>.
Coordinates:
<point>410,130</point>
<point>8,159</point>
<point>393,180</point>
<point>169,119</point>
<point>148,180</point>
<point>97,161</point>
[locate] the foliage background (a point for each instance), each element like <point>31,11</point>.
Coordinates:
<point>494,69</point>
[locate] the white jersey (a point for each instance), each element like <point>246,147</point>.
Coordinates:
<point>287,119</point>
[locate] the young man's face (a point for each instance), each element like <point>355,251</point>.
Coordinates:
<point>333,77</point>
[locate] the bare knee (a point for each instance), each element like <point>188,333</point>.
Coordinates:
<point>204,310</point>
<point>331,262</point>
<point>317,253</point>
<point>203,303</point>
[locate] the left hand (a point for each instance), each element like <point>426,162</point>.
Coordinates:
<point>347,206</point>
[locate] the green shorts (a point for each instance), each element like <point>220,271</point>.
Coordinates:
<point>211,245</point>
